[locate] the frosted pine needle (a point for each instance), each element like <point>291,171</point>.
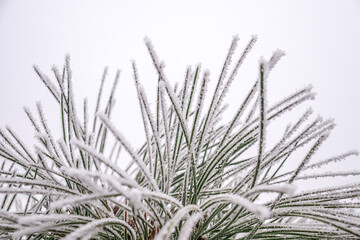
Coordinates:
<point>196,176</point>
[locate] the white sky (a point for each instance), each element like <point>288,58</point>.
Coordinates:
<point>321,39</point>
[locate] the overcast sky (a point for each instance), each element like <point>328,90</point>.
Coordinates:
<point>321,39</point>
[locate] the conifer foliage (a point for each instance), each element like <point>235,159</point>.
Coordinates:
<point>197,176</point>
